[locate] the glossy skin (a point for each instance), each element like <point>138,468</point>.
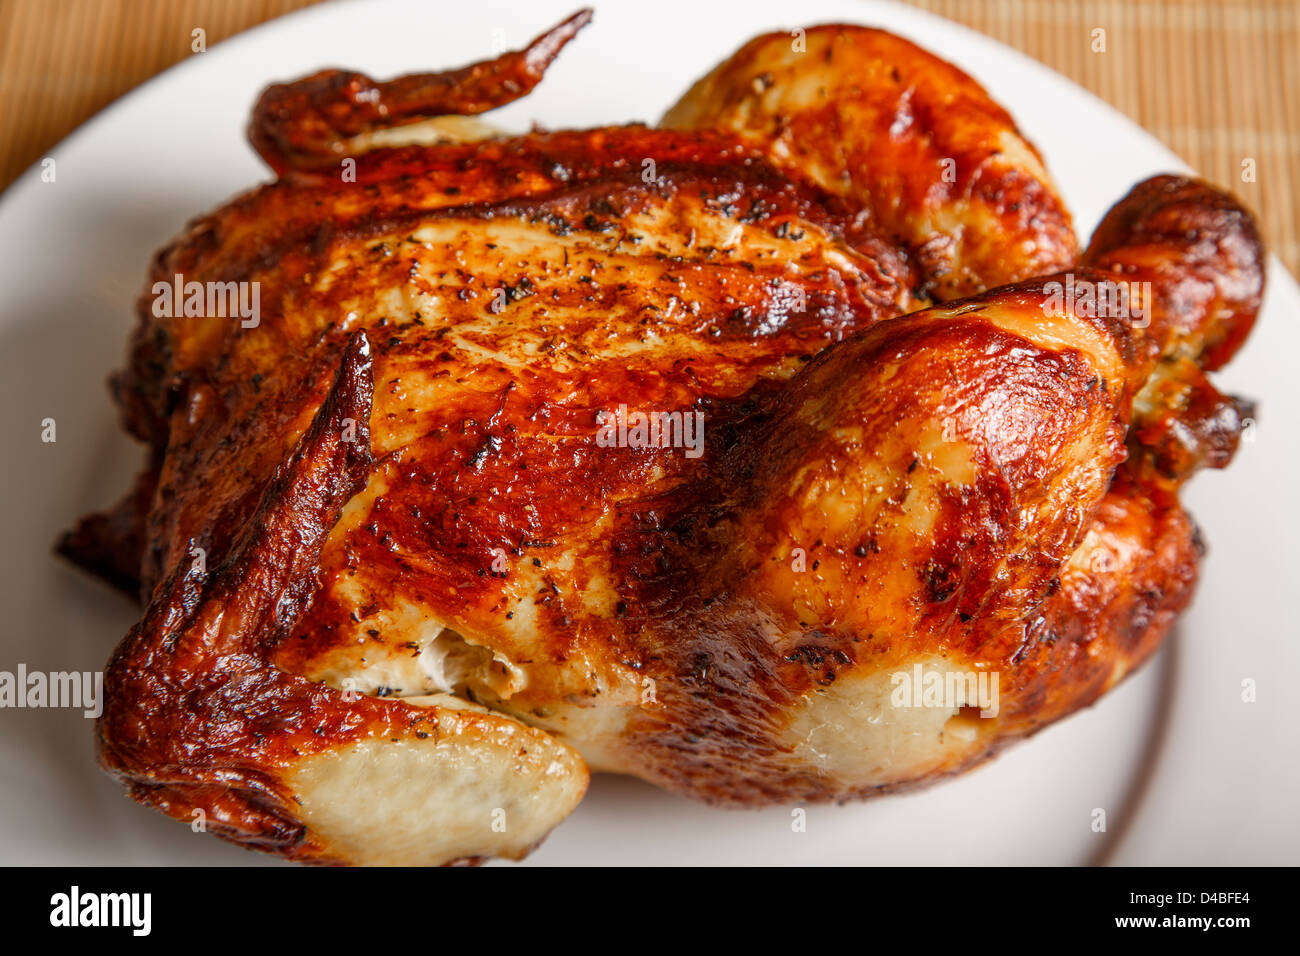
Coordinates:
<point>1203,256</point>
<point>909,138</point>
<point>322,118</point>
<point>427,590</point>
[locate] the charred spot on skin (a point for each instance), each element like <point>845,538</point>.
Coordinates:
<point>823,661</point>
<point>940,582</point>
<point>491,445</point>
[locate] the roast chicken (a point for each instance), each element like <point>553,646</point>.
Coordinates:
<point>649,450</point>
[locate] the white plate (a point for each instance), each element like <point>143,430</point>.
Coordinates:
<point>1186,771</point>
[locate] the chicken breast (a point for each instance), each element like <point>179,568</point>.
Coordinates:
<point>651,451</point>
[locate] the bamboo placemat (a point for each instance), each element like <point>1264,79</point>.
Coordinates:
<point>1217,80</point>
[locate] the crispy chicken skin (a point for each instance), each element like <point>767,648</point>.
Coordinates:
<point>913,141</point>
<point>401,594</point>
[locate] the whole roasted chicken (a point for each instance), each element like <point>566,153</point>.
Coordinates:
<point>668,451</point>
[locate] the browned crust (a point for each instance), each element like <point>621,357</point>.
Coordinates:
<point>306,123</point>
<point>1202,253</point>
<point>196,716</point>
<point>205,705</point>
<point>907,135</point>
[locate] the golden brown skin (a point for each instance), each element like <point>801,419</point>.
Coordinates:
<point>1203,256</point>
<point>310,122</point>
<point>455,597</point>
<point>908,137</point>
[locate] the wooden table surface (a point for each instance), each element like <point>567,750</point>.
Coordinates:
<point>1217,80</point>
